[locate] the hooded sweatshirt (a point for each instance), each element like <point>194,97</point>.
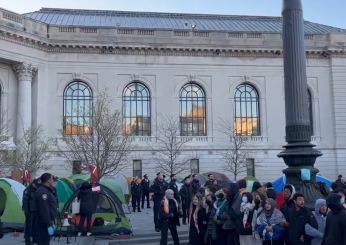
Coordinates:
<point>317,234</point>
<point>336,222</point>
<point>289,203</point>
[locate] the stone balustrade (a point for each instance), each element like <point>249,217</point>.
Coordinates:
<point>13,25</point>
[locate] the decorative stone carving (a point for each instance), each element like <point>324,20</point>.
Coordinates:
<point>25,71</point>
<point>192,78</point>
<point>246,78</point>
<point>77,75</point>
<point>135,77</point>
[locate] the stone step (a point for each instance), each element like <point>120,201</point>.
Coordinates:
<point>153,238</point>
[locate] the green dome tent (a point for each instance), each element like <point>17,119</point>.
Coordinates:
<point>64,191</point>
<point>70,183</point>
<point>11,198</point>
<point>80,178</point>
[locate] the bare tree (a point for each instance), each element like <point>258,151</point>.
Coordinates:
<point>237,153</point>
<point>168,151</point>
<point>31,151</point>
<point>98,140</point>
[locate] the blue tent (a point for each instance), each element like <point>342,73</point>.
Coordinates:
<point>280,182</point>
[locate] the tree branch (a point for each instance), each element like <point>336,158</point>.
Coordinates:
<point>169,147</point>
<point>99,140</point>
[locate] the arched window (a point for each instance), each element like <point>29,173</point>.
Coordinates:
<point>78,104</point>
<point>311,116</point>
<point>136,110</point>
<point>247,114</point>
<point>192,111</point>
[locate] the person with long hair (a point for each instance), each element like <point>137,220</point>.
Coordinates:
<point>87,207</point>
<point>211,233</point>
<point>198,221</point>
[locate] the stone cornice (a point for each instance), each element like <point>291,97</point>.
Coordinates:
<point>47,45</point>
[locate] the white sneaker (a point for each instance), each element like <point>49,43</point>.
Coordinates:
<point>89,234</point>
<point>79,234</point>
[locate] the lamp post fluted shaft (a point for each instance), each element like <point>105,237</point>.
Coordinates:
<point>299,153</point>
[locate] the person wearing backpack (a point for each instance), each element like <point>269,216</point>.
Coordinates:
<point>270,224</point>
<point>320,217</point>
<point>244,222</point>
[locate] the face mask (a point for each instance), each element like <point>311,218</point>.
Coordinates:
<point>342,200</point>
<point>208,202</point>
<point>244,199</point>
<point>221,195</point>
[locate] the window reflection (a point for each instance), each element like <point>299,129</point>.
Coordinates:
<point>247,116</point>
<point>77,115</point>
<point>310,113</point>
<point>192,111</point>
<point>136,110</point>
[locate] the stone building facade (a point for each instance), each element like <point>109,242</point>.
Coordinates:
<point>232,65</point>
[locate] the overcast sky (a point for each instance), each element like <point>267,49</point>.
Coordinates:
<point>320,11</point>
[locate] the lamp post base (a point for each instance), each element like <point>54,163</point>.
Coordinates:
<point>298,156</point>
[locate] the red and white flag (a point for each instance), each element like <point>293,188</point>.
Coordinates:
<point>94,174</point>
<point>26,178</point>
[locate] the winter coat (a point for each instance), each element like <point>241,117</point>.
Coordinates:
<point>195,185</point>
<point>211,224</point>
<point>86,198</point>
<point>136,189</point>
<point>297,221</point>
<point>186,193</point>
<point>173,186</point>
<point>222,205</point>
<point>168,207</point>
<point>317,234</point>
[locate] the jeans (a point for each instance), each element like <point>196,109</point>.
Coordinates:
<point>88,217</point>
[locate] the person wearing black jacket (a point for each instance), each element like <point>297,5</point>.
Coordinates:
<point>46,210</point>
<point>169,214</point>
<point>334,233</point>
<point>145,183</point>
<point>271,193</point>
<point>173,186</point>
<point>289,192</point>
<point>158,189</point>
<point>87,207</point>
<point>210,180</point>
<point>195,183</point>
<point>136,190</point>
<point>30,209</point>
<point>186,193</point>
<point>298,217</point>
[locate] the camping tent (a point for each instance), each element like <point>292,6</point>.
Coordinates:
<point>109,208</point>
<point>11,197</point>
<point>121,180</point>
<point>280,182</point>
<point>80,178</point>
<point>63,190</point>
<point>70,183</point>
<point>222,180</point>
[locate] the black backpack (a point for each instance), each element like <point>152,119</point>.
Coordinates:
<point>99,222</point>
<point>247,230</point>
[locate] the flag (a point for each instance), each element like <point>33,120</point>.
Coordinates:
<point>26,178</point>
<point>94,174</point>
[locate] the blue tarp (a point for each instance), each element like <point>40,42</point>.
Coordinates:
<point>280,182</point>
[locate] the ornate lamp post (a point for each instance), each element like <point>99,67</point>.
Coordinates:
<point>299,153</point>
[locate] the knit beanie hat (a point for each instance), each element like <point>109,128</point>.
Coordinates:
<point>169,192</point>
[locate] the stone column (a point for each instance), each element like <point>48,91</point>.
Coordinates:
<point>25,73</point>
<point>299,153</point>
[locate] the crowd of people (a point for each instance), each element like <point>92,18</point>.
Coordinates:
<point>234,216</point>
